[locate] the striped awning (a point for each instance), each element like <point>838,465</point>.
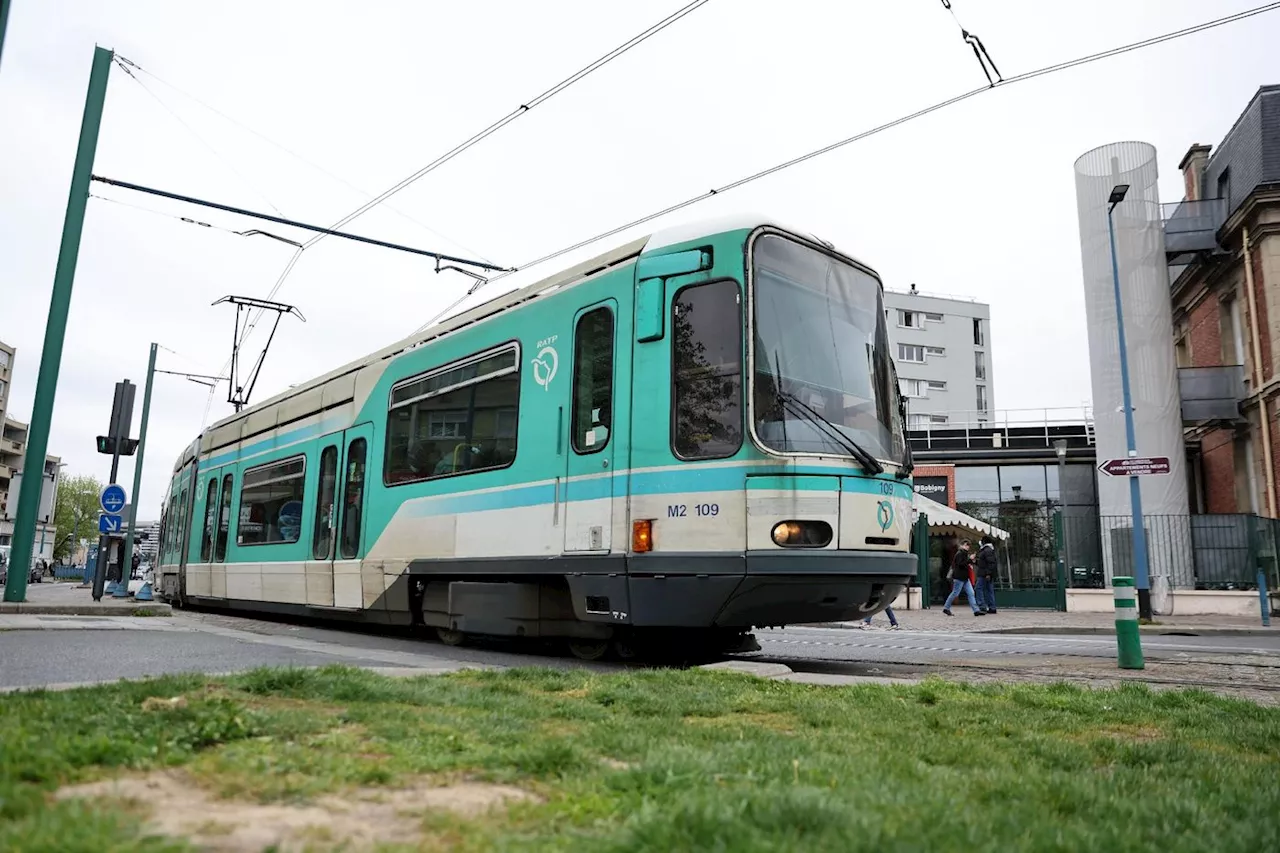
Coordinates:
<point>944,519</point>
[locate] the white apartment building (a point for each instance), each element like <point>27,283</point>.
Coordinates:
<point>942,350</point>
<point>13,441</point>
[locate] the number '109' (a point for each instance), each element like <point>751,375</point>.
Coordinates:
<point>682,510</point>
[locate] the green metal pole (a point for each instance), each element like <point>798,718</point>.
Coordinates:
<point>4,22</point>
<point>1128,637</point>
<point>1059,539</point>
<point>55,332</point>
<point>126,561</point>
<point>922,559</point>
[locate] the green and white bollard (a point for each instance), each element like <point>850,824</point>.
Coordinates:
<point>1128,639</point>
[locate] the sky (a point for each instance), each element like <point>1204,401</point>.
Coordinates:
<point>318,105</point>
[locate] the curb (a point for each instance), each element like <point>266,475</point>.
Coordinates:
<point>1066,631</point>
<point>124,609</point>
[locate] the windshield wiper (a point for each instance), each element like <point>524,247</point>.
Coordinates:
<point>829,429</point>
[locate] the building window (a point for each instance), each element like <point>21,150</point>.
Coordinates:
<point>911,353</point>
<point>455,420</point>
<point>978,338</point>
<point>938,351</point>
<point>933,318</point>
<point>936,385</point>
<point>910,319</point>
<point>938,419</point>
<point>706,349</point>
<point>4,359</point>
<point>3,386</point>
<point>1182,352</point>
<point>593,381</point>
<point>1224,186</point>
<point>1231,331</point>
<point>979,365</point>
<point>913,387</point>
<point>982,398</point>
<point>322,538</point>
<point>271,503</point>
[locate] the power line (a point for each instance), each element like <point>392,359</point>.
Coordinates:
<point>1029,75</point>
<point>479,137</point>
<point>124,65</point>
<point>979,49</point>
<point>310,163</point>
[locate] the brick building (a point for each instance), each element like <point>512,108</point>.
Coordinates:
<point>1223,248</point>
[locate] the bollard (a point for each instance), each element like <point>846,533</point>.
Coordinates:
<point>1264,599</point>
<point>1128,639</point>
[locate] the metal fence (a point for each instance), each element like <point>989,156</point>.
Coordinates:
<point>1210,552</point>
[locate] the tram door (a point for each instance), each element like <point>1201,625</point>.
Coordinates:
<point>588,491</point>
<point>333,574</point>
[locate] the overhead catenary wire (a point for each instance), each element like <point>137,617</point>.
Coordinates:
<point>124,65</point>
<point>901,120</point>
<point>475,139</point>
<point>300,158</point>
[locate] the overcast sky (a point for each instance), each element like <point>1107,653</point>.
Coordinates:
<point>976,200</point>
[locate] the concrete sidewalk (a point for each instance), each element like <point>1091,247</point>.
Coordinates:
<point>1054,622</point>
<point>69,599</point>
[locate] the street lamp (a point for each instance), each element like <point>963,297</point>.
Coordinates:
<point>1060,448</point>
<point>1135,493</point>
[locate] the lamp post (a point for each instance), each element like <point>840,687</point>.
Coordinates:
<point>1141,575</point>
<point>1060,448</point>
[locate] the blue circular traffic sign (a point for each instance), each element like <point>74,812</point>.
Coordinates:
<point>113,498</point>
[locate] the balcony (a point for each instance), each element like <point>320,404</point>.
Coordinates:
<point>1191,227</point>
<point>1211,393</point>
<point>10,446</point>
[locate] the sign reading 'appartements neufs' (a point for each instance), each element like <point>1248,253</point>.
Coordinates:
<point>1136,466</point>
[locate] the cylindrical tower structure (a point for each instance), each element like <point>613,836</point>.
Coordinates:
<point>1153,373</point>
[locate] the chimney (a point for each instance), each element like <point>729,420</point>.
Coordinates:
<point>1192,166</point>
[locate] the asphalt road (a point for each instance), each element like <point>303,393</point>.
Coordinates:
<point>68,650</point>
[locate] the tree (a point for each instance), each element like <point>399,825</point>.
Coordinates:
<point>77,509</point>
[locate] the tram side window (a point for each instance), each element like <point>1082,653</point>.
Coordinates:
<point>224,520</point>
<point>353,499</point>
<point>593,381</point>
<point>455,420</point>
<point>322,541</point>
<point>210,521</point>
<point>271,503</point>
<point>182,525</point>
<point>706,346</point>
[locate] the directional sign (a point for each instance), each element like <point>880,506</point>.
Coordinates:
<point>113,498</point>
<point>1136,466</point>
<point>108,523</point>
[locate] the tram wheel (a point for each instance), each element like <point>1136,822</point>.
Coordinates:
<point>625,649</point>
<point>587,650</point>
<point>450,637</point>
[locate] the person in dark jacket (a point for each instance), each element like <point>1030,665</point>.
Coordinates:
<point>986,567</point>
<point>960,580</point>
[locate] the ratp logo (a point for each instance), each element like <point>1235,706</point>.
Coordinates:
<point>884,515</point>
<point>545,365</point>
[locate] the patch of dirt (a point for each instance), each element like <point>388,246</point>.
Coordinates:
<point>615,764</point>
<point>780,723</point>
<point>358,819</point>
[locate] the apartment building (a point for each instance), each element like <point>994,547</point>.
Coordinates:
<point>942,350</point>
<point>13,448</point>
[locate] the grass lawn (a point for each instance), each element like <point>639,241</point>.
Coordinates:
<point>652,760</point>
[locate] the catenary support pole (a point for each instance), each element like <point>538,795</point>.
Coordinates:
<point>1128,636</point>
<point>24,527</point>
<point>126,560</point>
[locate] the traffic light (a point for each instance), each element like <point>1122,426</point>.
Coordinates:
<point>107,445</point>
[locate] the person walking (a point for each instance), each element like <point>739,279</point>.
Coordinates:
<point>960,581</point>
<point>986,568</point>
<point>893,620</point>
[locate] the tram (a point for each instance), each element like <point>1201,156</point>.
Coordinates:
<point>693,435</point>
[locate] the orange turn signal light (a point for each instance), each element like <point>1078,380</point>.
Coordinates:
<point>642,536</point>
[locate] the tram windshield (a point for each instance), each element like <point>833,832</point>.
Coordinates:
<point>824,380</point>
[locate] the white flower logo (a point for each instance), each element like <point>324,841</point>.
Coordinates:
<point>545,365</point>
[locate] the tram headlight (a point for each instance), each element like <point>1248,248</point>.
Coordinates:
<point>802,534</point>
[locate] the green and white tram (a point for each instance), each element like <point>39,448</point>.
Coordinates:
<point>699,431</point>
